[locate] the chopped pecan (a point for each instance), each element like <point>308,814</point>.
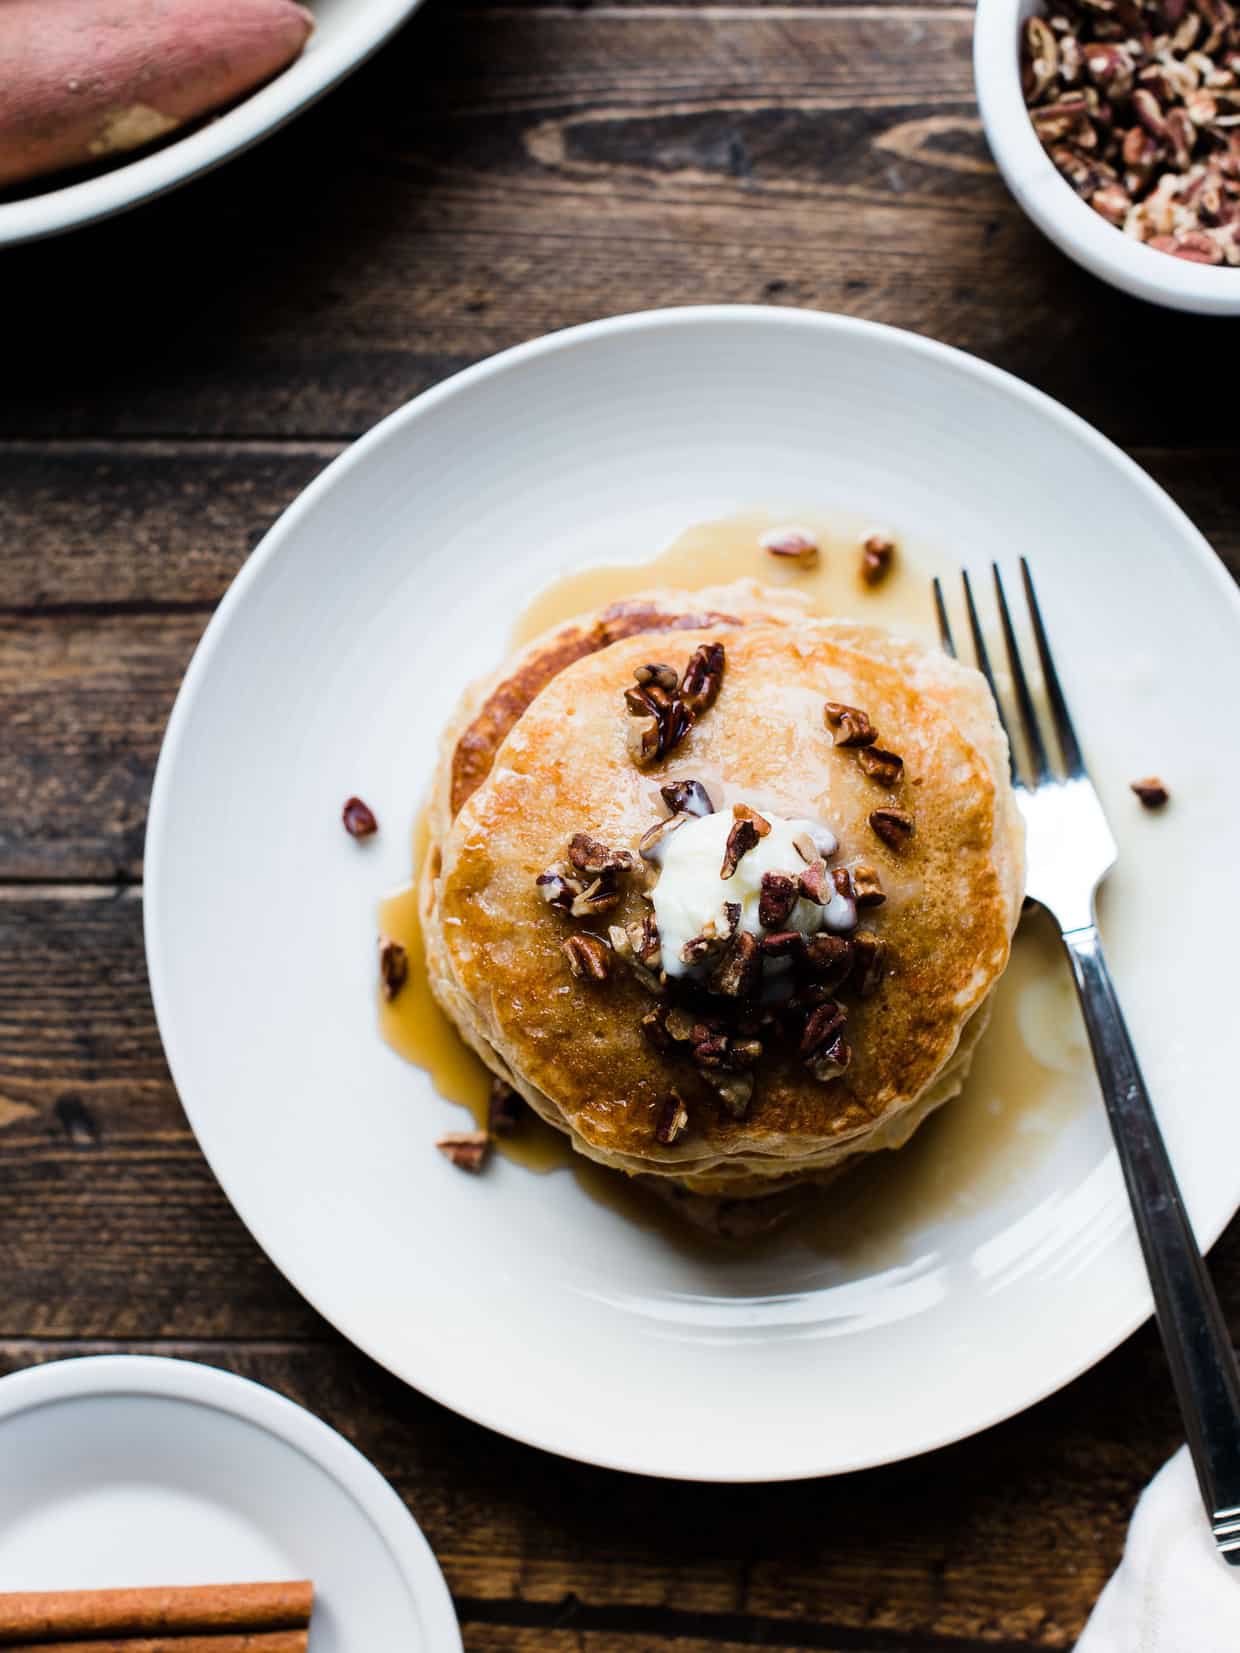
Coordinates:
<point>893,826</point>
<point>877,556</point>
<point>880,765</point>
<point>738,971</point>
<point>829,959</point>
<point>867,891</point>
<point>699,687</point>
<point>840,915</point>
<point>830,1062</point>
<point>558,888</point>
<point>467,1150</point>
<point>505,1108</point>
<point>661,676</point>
<point>359,818</point>
<point>653,842</point>
<point>393,967</point>
<point>784,944</point>
<point>1151,791</point>
<point>816,883</point>
<point>654,1026</point>
<point>852,727</point>
<point>869,962</point>
<point>778,898</point>
<point>735,1091</point>
<point>638,945</point>
<point>590,856</point>
<point>588,957</point>
<point>715,1051</point>
<point>687,798</point>
<point>642,739</point>
<point>600,896</point>
<point>791,545</point>
<point>747,828</point>
<point>680,1025</point>
<point>822,1027</point>
<point>673,1120</point>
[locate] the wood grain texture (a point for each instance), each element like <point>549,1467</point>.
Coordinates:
<point>497,174</point>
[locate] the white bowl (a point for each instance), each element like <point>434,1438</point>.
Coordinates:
<point>346,33</point>
<point>1050,201</point>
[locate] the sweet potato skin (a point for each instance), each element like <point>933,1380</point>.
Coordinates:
<point>81,80</point>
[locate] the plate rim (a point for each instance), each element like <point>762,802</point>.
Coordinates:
<point>164,1377</point>
<point>283,530</point>
<point>260,113</point>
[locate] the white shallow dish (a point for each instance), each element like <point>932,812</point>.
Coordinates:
<point>1057,210</point>
<point>346,33</point>
<point>127,1470</point>
<point>330,668</point>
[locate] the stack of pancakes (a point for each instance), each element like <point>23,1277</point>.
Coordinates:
<point>539,754</point>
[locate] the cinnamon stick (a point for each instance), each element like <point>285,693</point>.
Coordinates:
<point>38,1617</point>
<point>228,1641</point>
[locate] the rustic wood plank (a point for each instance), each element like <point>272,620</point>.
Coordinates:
<point>493,175</point>
<point>111,1223</point>
<point>106,525</point>
<point>935,1553</point>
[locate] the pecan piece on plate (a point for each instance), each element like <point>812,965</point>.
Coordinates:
<point>359,818</point>
<point>1151,791</point>
<point>791,545</point>
<point>393,967</point>
<point>877,555</point>
<point>468,1150</point>
<point>661,676</point>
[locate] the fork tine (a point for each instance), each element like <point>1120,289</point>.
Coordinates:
<point>983,666</point>
<point>946,641</point>
<point>1024,700</point>
<point>1074,764</point>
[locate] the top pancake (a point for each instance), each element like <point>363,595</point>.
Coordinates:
<point>562,767</point>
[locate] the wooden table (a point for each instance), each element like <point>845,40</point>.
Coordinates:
<point>170,381</point>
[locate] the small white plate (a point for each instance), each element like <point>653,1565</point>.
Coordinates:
<point>346,32</point>
<point>127,1470</point>
<point>330,668</point>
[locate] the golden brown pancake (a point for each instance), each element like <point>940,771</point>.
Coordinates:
<point>539,754</point>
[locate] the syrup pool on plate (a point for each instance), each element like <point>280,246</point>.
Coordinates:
<point>1032,1066</point>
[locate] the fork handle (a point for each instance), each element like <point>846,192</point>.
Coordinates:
<point>1194,1333</point>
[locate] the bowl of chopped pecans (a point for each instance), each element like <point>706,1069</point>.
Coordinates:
<point>1116,125</point>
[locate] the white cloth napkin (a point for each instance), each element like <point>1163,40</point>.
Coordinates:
<point>1172,1592</point>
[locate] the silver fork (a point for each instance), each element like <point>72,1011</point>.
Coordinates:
<point>1070,850</point>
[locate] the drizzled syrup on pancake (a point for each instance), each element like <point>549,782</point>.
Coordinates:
<point>1031,1071</point>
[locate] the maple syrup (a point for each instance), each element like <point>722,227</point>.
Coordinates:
<point>1031,1069</point>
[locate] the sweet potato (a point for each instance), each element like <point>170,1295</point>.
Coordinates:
<point>81,80</point>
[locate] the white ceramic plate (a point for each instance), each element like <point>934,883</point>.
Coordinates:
<point>132,1470</point>
<point>346,33</point>
<point>330,668</point>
